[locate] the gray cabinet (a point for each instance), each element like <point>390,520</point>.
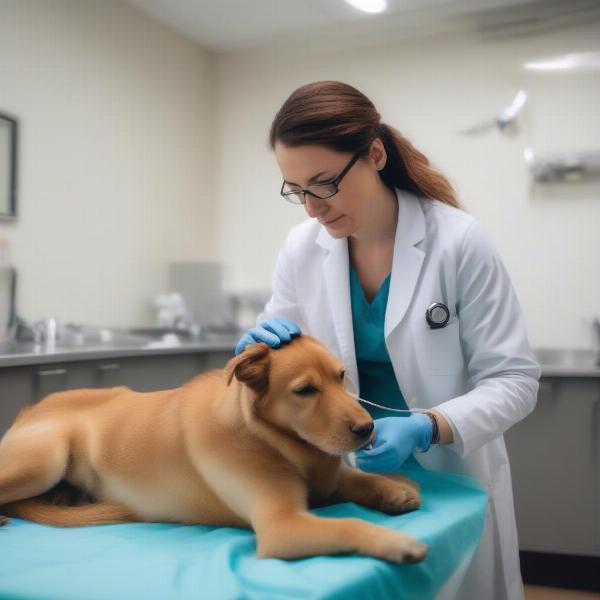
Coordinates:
<point>17,386</point>
<point>24,385</point>
<point>555,463</point>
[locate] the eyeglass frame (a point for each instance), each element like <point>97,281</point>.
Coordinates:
<point>335,182</point>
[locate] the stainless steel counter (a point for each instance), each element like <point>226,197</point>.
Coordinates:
<point>27,353</point>
<point>567,363</point>
<point>554,362</point>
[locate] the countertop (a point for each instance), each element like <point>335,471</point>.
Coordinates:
<point>573,362</point>
<point>554,362</point>
<point>14,354</point>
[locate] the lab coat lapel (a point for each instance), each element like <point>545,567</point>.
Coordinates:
<point>406,267</point>
<point>407,260</point>
<point>336,275</point>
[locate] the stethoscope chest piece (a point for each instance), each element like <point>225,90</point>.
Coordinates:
<point>437,315</point>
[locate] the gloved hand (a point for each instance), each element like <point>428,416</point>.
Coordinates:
<point>273,332</point>
<point>397,438</point>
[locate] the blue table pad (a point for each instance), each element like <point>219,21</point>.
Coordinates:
<point>163,561</point>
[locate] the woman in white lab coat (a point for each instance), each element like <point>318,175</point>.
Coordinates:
<point>385,241</point>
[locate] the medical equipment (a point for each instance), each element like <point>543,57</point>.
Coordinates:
<point>437,315</point>
<point>399,410</point>
<point>563,166</point>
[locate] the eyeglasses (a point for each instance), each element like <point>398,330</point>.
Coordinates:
<point>297,195</point>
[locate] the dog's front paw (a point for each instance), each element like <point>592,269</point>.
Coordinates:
<point>400,548</point>
<point>397,498</point>
<point>411,552</point>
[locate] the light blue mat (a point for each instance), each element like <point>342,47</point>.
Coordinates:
<point>148,561</point>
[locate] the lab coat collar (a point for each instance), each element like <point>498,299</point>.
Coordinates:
<point>410,228</point>
<point>407,261</point>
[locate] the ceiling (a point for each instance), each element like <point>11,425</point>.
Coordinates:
<point>233,25</point>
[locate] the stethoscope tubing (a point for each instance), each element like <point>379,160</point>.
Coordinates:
<point>399,410</point>
<point>430,315</point>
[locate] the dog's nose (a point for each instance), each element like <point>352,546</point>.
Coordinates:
<point>363,431</point>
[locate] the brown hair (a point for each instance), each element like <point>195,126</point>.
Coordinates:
<point>338,116</point>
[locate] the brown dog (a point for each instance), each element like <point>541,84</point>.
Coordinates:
<point>253,446</point>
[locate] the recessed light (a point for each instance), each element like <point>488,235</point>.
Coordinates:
<point>370,6</point>
<point>566,62</point>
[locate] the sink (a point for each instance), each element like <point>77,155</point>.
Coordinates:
<point>72,337</point>
<point>8,347</point>
<point>75,340</point>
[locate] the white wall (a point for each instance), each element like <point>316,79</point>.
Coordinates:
<point>429,89</point>
<point>139,147</point>
<point>116,162</point>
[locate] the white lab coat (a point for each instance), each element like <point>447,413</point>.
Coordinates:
<point>478,370</point>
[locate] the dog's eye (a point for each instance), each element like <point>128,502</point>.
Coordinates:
<point>307,390</point>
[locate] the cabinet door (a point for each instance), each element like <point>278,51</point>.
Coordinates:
<point>554,462</point>
<point>108,373</point>
<point>16,391</point>
<point>152,373</point>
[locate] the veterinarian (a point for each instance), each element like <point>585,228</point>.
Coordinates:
<point>408,291</point>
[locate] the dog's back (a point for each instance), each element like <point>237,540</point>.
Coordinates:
<point>61,403</point>
<point>120,447</point>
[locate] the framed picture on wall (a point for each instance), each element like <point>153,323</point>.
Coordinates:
<point>8,166</point>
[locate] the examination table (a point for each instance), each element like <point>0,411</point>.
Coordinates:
<point>169,561</point>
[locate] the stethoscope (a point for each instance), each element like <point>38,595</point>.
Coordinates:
<point>398,410</point>
<point>437,316</point>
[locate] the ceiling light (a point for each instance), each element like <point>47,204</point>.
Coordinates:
<point>575,60</point>
<point>370,6</point>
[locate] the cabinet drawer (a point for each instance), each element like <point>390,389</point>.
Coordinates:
<point>49,380</point>
<point>16,391</point>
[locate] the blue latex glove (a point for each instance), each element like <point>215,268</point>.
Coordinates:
<point>273,332</point>
<point>397,438</point>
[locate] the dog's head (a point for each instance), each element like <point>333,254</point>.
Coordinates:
<point>300,388</point>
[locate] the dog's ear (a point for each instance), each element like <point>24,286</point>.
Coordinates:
<point>251,367</point>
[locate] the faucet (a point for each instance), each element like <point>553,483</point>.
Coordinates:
<point>23,331</point>
<point>45,330</point>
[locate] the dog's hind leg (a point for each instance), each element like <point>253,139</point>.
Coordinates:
<point>33,458</point>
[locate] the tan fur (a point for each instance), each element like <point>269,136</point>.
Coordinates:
<point>238,447</point>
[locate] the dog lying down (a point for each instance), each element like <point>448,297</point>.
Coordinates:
<point>253,445</point>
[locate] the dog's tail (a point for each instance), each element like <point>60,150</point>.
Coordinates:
<point>41,511</point>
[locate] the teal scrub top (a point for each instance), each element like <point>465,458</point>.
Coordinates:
<point>377,380</point>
